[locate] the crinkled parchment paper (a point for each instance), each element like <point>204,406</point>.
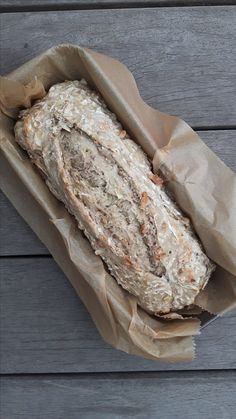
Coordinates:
<point>201,184</point>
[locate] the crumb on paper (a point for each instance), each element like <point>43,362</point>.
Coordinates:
<point>157,180</point>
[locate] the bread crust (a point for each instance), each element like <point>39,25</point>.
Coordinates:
<point>105,180</point>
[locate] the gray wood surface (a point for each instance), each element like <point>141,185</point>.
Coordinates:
<point>183,59</point>
<point>45,328</point>
<point>14,231</point>
<point>205,395</point>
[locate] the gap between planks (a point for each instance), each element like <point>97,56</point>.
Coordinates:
<point>119,374</point>
<point>215,128</point>
<point>26,256</point>
<point>9,6</point>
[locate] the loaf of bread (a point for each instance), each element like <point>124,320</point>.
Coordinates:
<point>105,181</point>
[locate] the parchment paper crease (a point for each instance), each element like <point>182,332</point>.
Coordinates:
<point>201,184</point>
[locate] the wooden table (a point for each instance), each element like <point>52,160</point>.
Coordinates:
<point>53,362</point>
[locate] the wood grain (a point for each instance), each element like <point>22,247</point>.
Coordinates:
<point>206,395</point>
<point>183,59</point>
<point>45,328</point>
<point>14,231</point>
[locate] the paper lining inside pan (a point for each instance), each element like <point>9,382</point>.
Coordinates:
<point>151,129</point>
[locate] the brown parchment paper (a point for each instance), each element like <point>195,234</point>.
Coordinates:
<point>202,185</point>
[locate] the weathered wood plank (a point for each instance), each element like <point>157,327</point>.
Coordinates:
<point>14,231</point>
<point>45,328</point>
<point>206,395</point>
<point>183,59</point>
<point>8,5</point>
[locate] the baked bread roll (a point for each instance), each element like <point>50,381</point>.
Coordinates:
<point>105,180</point>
